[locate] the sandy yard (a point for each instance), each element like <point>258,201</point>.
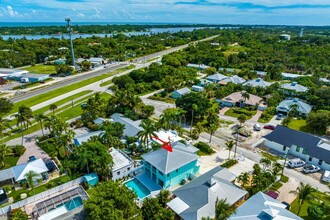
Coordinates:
<point>284,191</point>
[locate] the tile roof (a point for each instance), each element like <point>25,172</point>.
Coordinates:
<point>314,146</point>
<point>197,198</point>
<point>262,207</point>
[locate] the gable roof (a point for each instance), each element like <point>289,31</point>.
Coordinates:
<point>131,127</point>
<point>257,82</point>
<point>197,198</point>
<point>37,166</point>
<point>302,106</point>
<point>166,161</point>
<point>237,97</point>
<point>234,79</point>
<point>314,146</point>
<point>216,77</point>
<point>262,207</point>
<point>182,91</point>
<point>198,66</point>
<point>294,86</point>
<point>85,137</point>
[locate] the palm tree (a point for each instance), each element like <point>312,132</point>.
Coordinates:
<point>30,177</point>
<point>265,162</point>
<point>223,210</point>
<point>304,192</point>
<point>230,144</point>
<point>212,128</point>
<point>147,132</point>
<point>294,110</point>
<point>244,178</point>
<point>23,118</point>
<point>39,118</point>
<point>4,124</point>
<point>276,169</point>
<point>5,150</point>
<point>53,107</point>
<point>194,108</point>
<point>245,96</point>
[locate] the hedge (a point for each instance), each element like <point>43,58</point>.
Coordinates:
<point>229,163</point>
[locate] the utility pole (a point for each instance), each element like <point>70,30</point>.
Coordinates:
<point>68,26</point>
<point>236,144</point>
<point>286,157</point>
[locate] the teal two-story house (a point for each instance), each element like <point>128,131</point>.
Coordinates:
<point>169,168</point>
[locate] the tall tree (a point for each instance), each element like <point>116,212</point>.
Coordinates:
<point>40,117</point>
<point>23,118</point>
<point>229,144</point>
<point>53,107</point>
<point>5,106</point>
<point>223,210</point>
<point>244,178</point>
<point>194,108</point>
<point>5,151</point>
<point>4,125</point>
<point>265,163</point>
<point>245,95</point>
<point>304,192</point>
<point>149,130</point>
<point>31,177</point>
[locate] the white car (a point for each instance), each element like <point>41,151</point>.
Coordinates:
<point>294,163</point>
<point>257,127</point>
<point>308,168</point>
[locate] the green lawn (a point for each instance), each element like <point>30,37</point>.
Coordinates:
<point>10,161</point>
<point>231,113</point>
<point>269,156</point>
<point>298,124</point>
<point>42,69</point>
<point>318,197</point>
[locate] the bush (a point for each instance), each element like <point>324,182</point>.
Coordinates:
<point>18,214</point>
<point>243,111</point>
<point>315,212</point>
<point>205,148</point>
<point>284,179</point>
<point>18,150</point>
<point>229,163</point>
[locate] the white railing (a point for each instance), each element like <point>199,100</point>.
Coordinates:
<point>42,195</point>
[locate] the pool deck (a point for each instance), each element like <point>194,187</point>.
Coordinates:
<point>148,182</point>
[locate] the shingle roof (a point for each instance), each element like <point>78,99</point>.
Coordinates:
<point>199,196</point>
<point>302,106</point>
<point>131,127</point>
<point>294,86</point>
<point>216,77</point>
<point>37,166</point>
<point>166,161</point>
<point>262,207</point>
<point>257,82</point>
<point>314,146</point>
<point>234,79</point>
<point>237,97</point>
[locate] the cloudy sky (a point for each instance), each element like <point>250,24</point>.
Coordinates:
<point>301,12</point>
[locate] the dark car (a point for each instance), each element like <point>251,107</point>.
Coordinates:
<point>287,205</point>
<point>269,127</point>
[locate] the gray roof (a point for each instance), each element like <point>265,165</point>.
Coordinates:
<point>34,75</point>
<point>199,66</point>
<point>291,75</point>
<point>166,161</point>
<point>229,70</point>
<point>95,59</point>
<point>183,91</point>
<point>199,196</point>
<point>184,147</point>
<point>261,73</point>
<point>131,127</point>
<point>294,86</point>
<point>302,106</point>
<point>263,207</point>
<point>85,137</point>
<point>234,79</point>
<point>204,82</point>
<point>216,77</point>
<point>100,121</point>
<point>257,82</point>
<point>38,166</point>
<point>314,146</point>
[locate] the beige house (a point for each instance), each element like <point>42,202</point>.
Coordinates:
<point>237,99</point>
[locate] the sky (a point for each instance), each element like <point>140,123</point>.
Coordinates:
<point>272,12</point>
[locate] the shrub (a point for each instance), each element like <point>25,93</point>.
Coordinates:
<point>18,150</point>
<point>315,212</point>
<point>229,163</point>
<point>18,214</point>
<point>284,179</point>
<point>242,111</point>
<point>205,148</point>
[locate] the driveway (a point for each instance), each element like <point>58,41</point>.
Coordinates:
<point>256,116</point>
<point>285,190</point>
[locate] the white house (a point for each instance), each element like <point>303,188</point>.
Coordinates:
<point>197,88</point>
<point>311,149</point>
<point>122,164</point>
<point>180,92</point>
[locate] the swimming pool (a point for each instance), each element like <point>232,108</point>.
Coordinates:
<point>140,190</point>
<point>72,204</point>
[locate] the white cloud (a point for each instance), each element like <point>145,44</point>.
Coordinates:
<point>11,12</point>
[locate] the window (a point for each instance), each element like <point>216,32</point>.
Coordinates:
<point>310,158</point>
<point>284,148</point>
<point>304,151</point>
<point>128,168</point>
<point>298,149</point>
<point>320,162</point>
<point>118,173</point>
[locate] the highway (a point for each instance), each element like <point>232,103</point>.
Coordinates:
<point>80,77</point>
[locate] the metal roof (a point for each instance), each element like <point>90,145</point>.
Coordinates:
<point>199,66</point>
<point>234,79</point>
<point>294,86</point>
<point>287,103</point>
<point>182,91</point>
<point>216,77</point>
<point>262,207</point>
<point>198,197</point>
<point>85,137</point>
<point>314,146</point>
<point>131,127</point>
<point>37,166</point>
<point>257,82</point>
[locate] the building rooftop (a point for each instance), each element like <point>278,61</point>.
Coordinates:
<point>37,166</point>
<point>234,79</point>
<point>313,145</point>
<point>120,159</point>
<point>95,59</point>
<point>229,70</point>
<point>294,86</point>
<point>197,198</point>
<point>131,127</point>
<point>166,161</point>
<point>199,66</point>
<point>291,75</point>
<point>287,103</point>
<point>257,82</point>
<point>34,75</point>
<point>237,97</point>
<point>216,77</point>
<point>183,91</point>
<point>85,137</point>
<point>262,207</point>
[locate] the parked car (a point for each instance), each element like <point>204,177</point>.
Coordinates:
<point>294,163</point>
<point>279,116</point>
<point>287,205</point>
<point>243,131</point>
<point>326,176</point>
<point>309,168</point>
<point>269,127</point>
<point>257,127</point>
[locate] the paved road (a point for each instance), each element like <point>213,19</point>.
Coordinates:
<point>81,77</point>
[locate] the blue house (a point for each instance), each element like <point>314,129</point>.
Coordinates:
<point>180,92</point>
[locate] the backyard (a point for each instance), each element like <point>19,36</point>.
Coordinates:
<point>41,69</point>
<point>298,124</point>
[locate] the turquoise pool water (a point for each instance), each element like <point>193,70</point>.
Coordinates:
<point>72,204</point>
<point>140,190</point>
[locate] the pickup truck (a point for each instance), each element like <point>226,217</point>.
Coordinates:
<point>308,168</point>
